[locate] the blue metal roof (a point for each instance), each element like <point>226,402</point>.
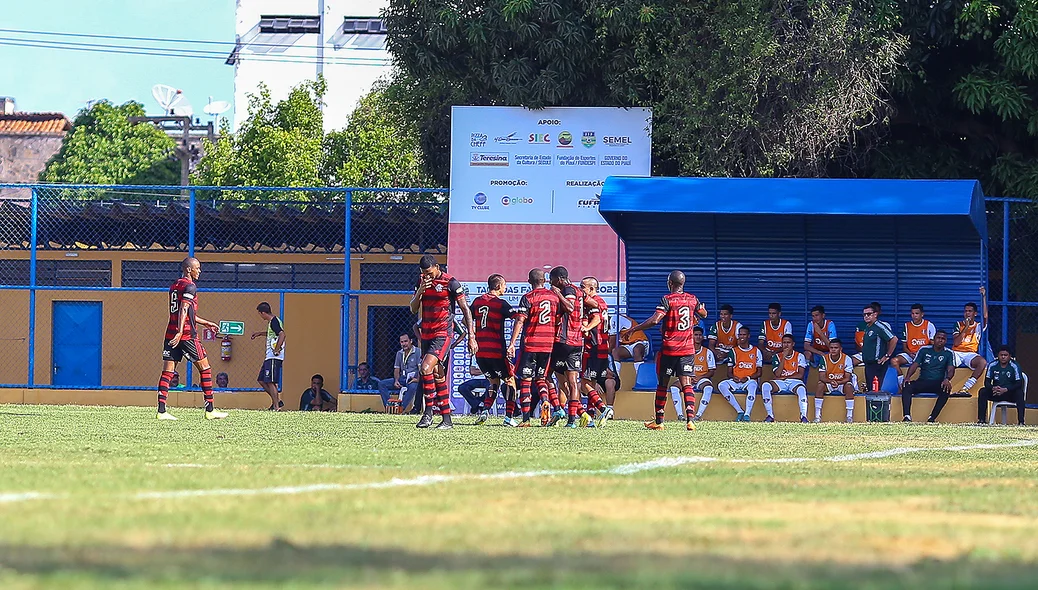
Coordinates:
<point>950,201</point>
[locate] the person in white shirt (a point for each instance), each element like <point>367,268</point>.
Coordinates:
<point>270,373</point>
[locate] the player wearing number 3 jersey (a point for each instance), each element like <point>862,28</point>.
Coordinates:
<point>679,312</point>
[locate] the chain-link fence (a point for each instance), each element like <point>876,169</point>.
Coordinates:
<point>86,270</point>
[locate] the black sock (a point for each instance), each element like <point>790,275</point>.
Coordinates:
<point>162,407</point>
<point>208,406</point>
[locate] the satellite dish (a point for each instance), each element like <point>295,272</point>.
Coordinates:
<point>216,107</point>
<point>166,96</point>
<point>183,110</point>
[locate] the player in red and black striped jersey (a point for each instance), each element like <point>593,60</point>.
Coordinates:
<point>489,313</point>
<point>596,350</point>
<point>535,320</point>
<point>435,296</point>
<point>181,339</point>
<point>679,312</point>
<point>567,353</point>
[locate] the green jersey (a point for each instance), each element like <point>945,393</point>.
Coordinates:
<point>999,376</point>
<point>874,343</point>
<point>933,364</point>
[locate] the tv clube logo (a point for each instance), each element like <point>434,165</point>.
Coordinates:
<point>589,139</point>
<point>480,200</point>
<point>508,201</point>
<point>565,139</point>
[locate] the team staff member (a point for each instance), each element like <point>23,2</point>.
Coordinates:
<point>1004,382</point>
<point>877,348</point>
<point>270,372</point>
<point>936,366</point>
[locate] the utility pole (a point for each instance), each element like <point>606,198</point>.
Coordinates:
<point>182,126</point>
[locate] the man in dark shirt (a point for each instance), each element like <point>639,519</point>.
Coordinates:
<point>316,398</point>
<point>1004,382</point>
<point>936,365</point>
<point>364,380</point>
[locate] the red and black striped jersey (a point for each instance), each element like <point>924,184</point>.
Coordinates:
<point>570,323</point>
<point>597,339</point>
<point>678,311</point>
<point>490,312</point>
<point>438,306</point>
<point>538,311</point>
<point>183,294</point>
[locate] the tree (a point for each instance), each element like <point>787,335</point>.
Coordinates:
<point>105,148</point>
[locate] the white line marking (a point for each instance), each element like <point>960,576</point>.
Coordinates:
<point>426,480</point>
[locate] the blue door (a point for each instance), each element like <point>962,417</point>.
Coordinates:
<point>76,347</point>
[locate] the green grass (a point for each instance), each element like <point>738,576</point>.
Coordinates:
<point>933,519</point>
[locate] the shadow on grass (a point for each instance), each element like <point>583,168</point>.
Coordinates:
<point>282,563</point>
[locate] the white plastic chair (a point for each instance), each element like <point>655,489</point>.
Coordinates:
<point>1004,406</point>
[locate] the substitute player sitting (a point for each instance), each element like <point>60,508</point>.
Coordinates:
<point>918,332</point>
<point>182,341</point>
<point>746,365</point>
<point>703,367</point>
<point>771,333</point>
<point>790,368</point>
<point>724,334</point>
<point>490,312</point>
<point>836,374</point>
<point>966,342</point>
<point>678,312</point>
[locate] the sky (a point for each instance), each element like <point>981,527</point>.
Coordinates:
<point>45,79</point>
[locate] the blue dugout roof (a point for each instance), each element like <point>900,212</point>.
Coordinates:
<point>955,202</point>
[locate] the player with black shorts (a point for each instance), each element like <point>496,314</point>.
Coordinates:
<point>596,350</point>
<point>678,311</point>
<point>490,311</point>
<point>435,296</point>
<point>535,319</point>
<point>181,339</point>
<point>568,351</point>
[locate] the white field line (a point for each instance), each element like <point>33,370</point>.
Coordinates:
<point>427,480</point>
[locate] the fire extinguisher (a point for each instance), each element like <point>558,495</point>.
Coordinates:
<point>225,349</point>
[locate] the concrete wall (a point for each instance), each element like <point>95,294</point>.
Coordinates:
<point>22,158</point>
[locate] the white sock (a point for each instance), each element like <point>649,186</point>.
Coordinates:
<point>704,400</point>
<point>726,390</point>
<point>679,402</point>
<point>900,379</point>
<point>818,407</point>
<point>850,409</point>
<point>765,394</point>
<point>751,399</point>
<point>801,392</point>
<point>969,383</point>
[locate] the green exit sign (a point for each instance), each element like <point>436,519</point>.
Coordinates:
<point>232,328</point>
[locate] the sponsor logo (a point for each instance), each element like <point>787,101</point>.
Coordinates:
<point>616,140</point>
<point>549,122</point>
<point>591,183</point>
<point>575,160</point>
<point>480,201</point>
<point>687,368</point>
<point>477,140</point>
<point>589,203</point>
<point>566,139</point>
<point>539,138</point>
<point>516,182</point>
<point>746,365</point>
<point>533,160</point>
<point>589,139</point>
<point>489,159</point>
<point>919,342</point>
<point>508,201</point>
<point>616,161</point>
<point>507,139</point>
<point>439,287</point>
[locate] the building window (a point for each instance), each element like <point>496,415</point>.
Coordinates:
<point>360,32</point>
<point>237,275</point>
<point>292,25</point>
<point>74,273</point>
<point>387,276</point>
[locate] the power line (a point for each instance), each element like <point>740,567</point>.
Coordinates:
<point>231,44</point>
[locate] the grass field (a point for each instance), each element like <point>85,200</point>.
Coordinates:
<point>112,498</point>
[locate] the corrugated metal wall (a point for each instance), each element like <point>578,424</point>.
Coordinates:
<point>749,262</point>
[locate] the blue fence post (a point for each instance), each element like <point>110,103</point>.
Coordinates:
<point>1005,272</point>
<point>34,215</point>
<point>191,223</point>
<point>281,308</point>
<point>346,285</point>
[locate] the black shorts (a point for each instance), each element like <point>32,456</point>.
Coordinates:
<point>496,368</point>
<point>595,368</point>
<point>566,358</point>
<point>270,372</point>
<point>668,367</point>
<point>190,349</point>
<point>438,347</point>
<point>533,365</point>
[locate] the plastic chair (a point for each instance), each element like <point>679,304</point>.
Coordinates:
<point>645,378</point>
<point>1004,406</point>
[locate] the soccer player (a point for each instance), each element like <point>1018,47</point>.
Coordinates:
<point>490,312</point>
<point>724,333</point>
<point>568,352</point>
<point>435,296</point>
<point>936,366</point>
<point>1004,382</point>
<point>918,332</point>
<point>678,312</point>
<point>596,350</point>
<point>182,339</point>
<point>819,333</point>
<point>746,365</point>
<point>966,341</point>
<point>270,372</point>
<point>771,333</point>
<point>789,367</point>
<point>836,373</point>
<point>535,318</point>
<point>703,367</point>
<point>878,346</point>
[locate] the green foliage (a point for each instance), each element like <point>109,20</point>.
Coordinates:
<point>103,147</point>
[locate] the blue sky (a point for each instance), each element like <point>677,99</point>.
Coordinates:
<point>44,79</point>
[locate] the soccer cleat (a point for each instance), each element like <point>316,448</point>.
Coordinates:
<point>803,420</point>
<point>555,417</point>
<point>739,416</point>
<point>769,419</point>
<point>511,422</point>
<point>545,413</point>
<point>591,423</point>
<point>425,422</point>
<point>444,425</point>
<point>571,425</point>
<point>907,418</point>
<point>850,420</point>
<point>482,417</point>
<point>651,425</point>
<point>215,415</point>
<point>166,416</point>
<point>525,424</point>
<point>746,418</point>
<point>818,419</point>
<point>931,420</point>
<point>585,419</point>
<point>690,425</point>
<point>607,415</point>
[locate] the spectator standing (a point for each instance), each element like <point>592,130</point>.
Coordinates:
<point>270,372</point>
<point>405,374</point>
<point>1004,382</point>
<point>877,348</point>
<point>364,381</point>
<point>936,366</point>
<point>316,399</point>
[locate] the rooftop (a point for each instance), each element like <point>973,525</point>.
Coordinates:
<point>34,124</point>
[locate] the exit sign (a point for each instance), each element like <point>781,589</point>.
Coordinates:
<point>232,328</point>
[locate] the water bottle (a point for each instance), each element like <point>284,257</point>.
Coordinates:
<point>875,384</point>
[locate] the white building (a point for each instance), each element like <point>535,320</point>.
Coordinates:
<point>284,42</point>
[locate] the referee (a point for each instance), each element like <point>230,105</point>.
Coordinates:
<point>877,348</point>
